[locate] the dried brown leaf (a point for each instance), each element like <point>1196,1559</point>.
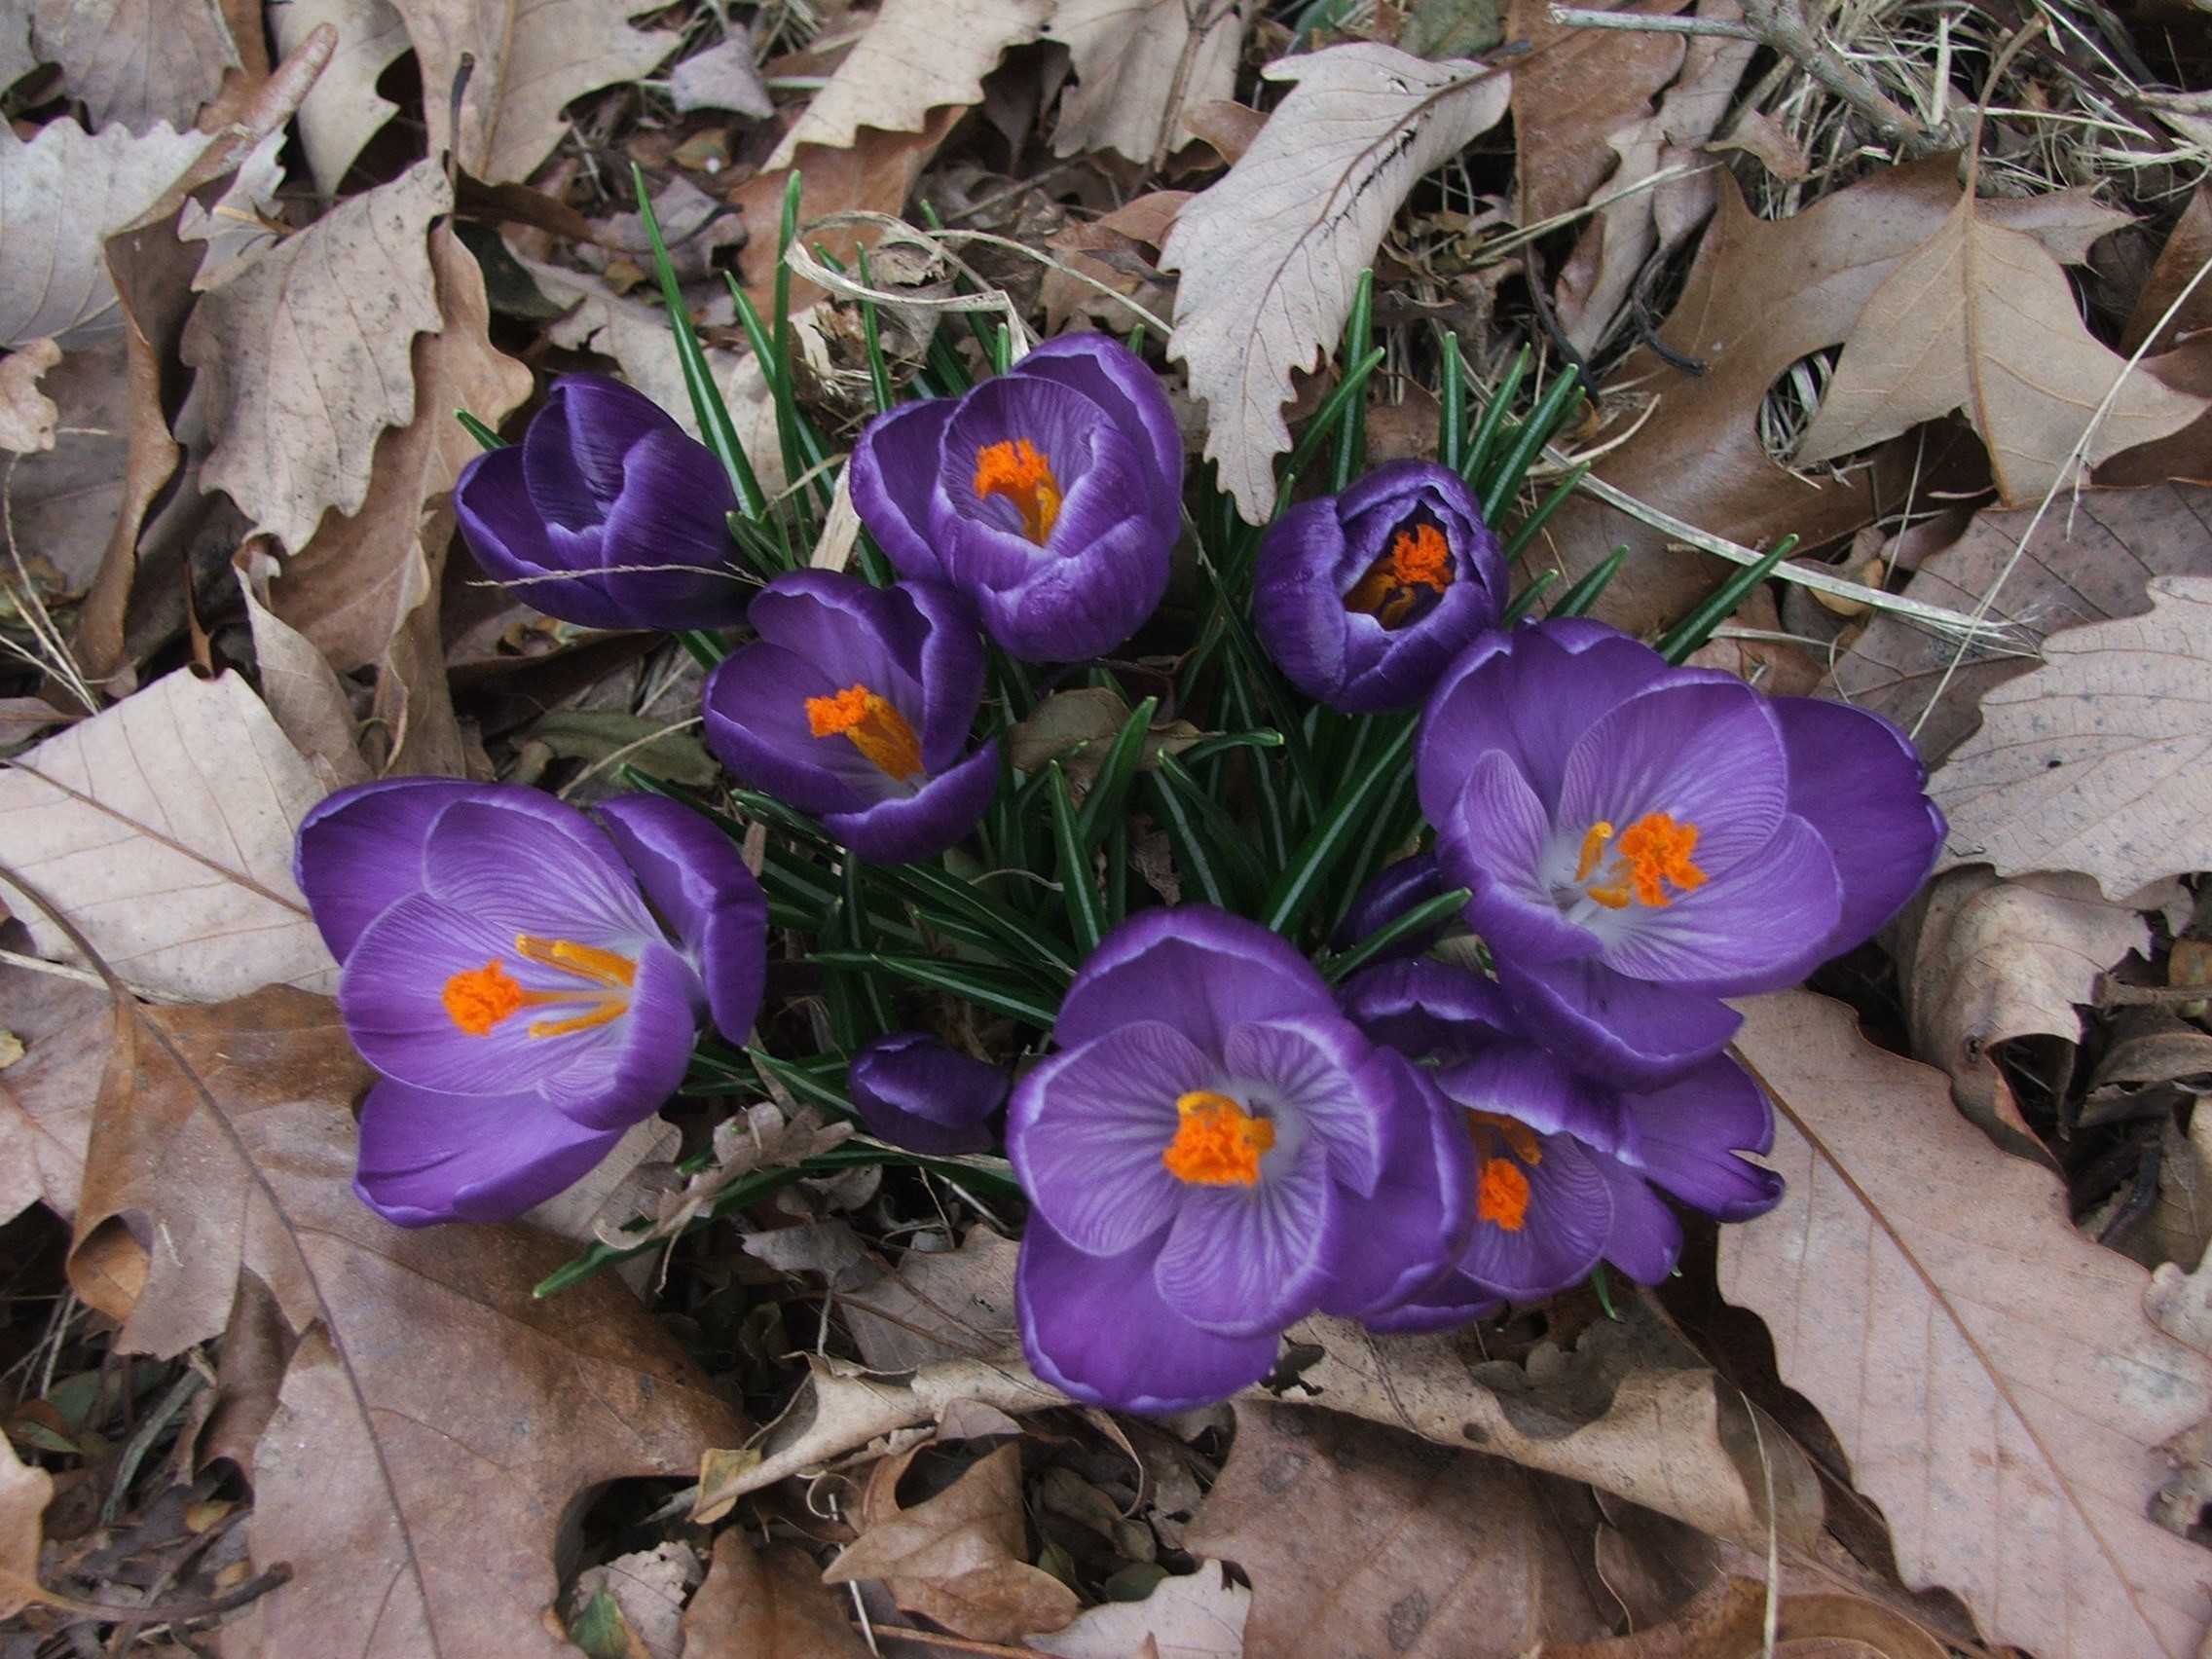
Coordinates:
<point>137,63</point>
<point>46,1096</point>
<point>722,77</point>
<point>343,112</point>
<point>1981,317</point>
<point>2096,761</point>
<point>1578,88</point>
<point>1272,254</point>
<point>28,416</point>
<point>297,682</point>
<point>2188,247</point>
<point>163,829</point>
<point>1989,1373</point>
<point>26,1491</point>
<point>63,503</point>
<point>945,1305</point>
<point>434,1421</point>
<point>1197,1616</point>
<point>765,1604</point>
<point>1139,66</point>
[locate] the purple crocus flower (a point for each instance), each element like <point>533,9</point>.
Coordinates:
<point>1215,1153</point>
<point>607,515</point>
<point>913,1092</point>
<point>504,976</point>
<point>1051,495</point>
<point>1362,599</point>
<point>1564,1164</point>
<point>1643,840</point>
<point>854,703</point>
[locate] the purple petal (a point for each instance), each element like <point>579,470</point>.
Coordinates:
<point>1534,1086</point>
<point>1388,895</point>
<point>632,1077</point>
<point>1116,379</point>
<point>696,879</point>
<point>428,1158</point>
<point>754,708</point>
<point>851,632</point>
<point>1297,611</point>
<point>360,850</point>
<point>1318,1071</point>
<point>1247,1261</point>
<point>1427,1010</point>
<point>521,873</point>
<point>1195,968</point>
<point>1706,754</point>
<point>1628,1032</point>
<point>1088,1126</point>
<point>1562,1233</point>
<point>1419,1220</point>
<point>913,1092</point>
<point>577,450</point>
<point>1647,1238</point>
<point>893,468</point>
<point>951,671</point>
<point>1761,924</point>
<point>673,521</point>
<point>1094,1327</point>
<point>1497,840</point>
<point>1858,781</point>
<point>1691,1131</point>
<point>515,545</point>
<point>921,825</point>
<point>1453,1300</point>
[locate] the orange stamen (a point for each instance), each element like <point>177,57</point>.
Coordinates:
<point>876,729</point>
<point>608,1010</point>
<point>1502,1195</point>
<point>1218,1143</point>
<point>1389,589</point>
<point>1518,1139</point>
<point>1652,854</point>
<point>477,999</point>
<point>587,961</point>
<point>1019,471</point>
<point>1594,841</point>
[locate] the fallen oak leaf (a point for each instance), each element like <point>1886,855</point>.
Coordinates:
<point>47,1095</point>
<point>343,112</point>
<point>1137,80</point>
<point>2011,1453</point>
<point>1196,1615</point>
<point>137,64</point>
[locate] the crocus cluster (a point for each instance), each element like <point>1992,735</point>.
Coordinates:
<point>504,972</point>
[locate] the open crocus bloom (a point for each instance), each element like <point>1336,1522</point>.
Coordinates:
<point>855,705</point>
<point>607,515</point>
<point>913,1092</point>
<point>1216,1152</point>
<point>506,978</point>
<point>1563,1164</point>
<point>1051,495</point>
<point>1362,599</point>
<point>1643,841</point>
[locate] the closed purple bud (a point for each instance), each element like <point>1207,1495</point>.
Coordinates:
<point>855,704</point>
<point>607,515</point>
<point>1388,895</point>
<point>1051,495</point>
<point>913,1092</point>
<point>1363,599</point>
<point>507,970</point>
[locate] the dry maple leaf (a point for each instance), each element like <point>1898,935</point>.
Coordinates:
<point>304,354</point>
<point>137,63</point>
<point>434,1422</point>
<point>2096,761</point>
<point>343,112</point>
<point>163,828</point>
<point>1989,1371</point>
<point>1272,254</point>
<point>1981,317</point>
<point>1139,66</point>
<point>916,57</point>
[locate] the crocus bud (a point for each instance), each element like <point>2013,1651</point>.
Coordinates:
<point>606,514</point>
<point>1363,599</point>
<point>1051,495</point>
<point>913,1092</point>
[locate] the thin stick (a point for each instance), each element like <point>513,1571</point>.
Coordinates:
<point>1575,18</point>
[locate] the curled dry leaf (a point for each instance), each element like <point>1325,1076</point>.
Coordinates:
<point>531,57</point>
<point>137,63</point>
<point>1989,1373</point>
<point>304,353</point>
<point>47,1096</point>
<point>1632,1410</point>
<point>61,194</point>
<point>1139,67</point>
<point>434,1422</point>
<point>2088,563</point>
<point>760,1139</point>
<point>960,1558</point>
<point>343,112</point>
<point>26,1491</point>
<point>1197,1616</point>
<point>1272,254</point>
<point>64,501</point>
<point>297,682</point>
<point>163,829</point>
<point>1981,317</point>
<point>2097,761</point>
<point>28,416</point>
<point>941,1305</point>
<point>916,57</point>
<point>768,1603</point>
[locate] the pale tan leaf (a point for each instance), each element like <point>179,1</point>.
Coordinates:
<point>28,416</point>
<point>2096,761</point>
<point>17,58</point>
<point>26,1491</point>
<point>648,1587</point>
<point>163,829</point>
<point>137,63</point>
<point>343,112</point>
<point>1139,66</point>
<point>916,57</point>
<point>1989,1373</point>
<point>1271,255</point>
<point>304,354</point>
<point>297,682</point>
<point>936,1305</point>
<point>2067,222</point>
<point>722,77</point>
<point>46,1096</point>
<point>1196,1615</point>
<point>533,57</point>
<point>245,218</point>
<point>2181,1302</point>
<point>60,195</point>
<point>1579,88</point>
<point>1981,317</point>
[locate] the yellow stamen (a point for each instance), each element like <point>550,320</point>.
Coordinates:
<point>1217,1143</point>
<point>1022,473</point>
<point>1594,841</point>
<point>477,999</point>
<point>1391,588</point>
<point>586,961</point>
<point>608,1010</point>
<point>876,729</point>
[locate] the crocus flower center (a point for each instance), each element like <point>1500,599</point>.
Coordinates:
<point>1217,1143</point>
<point>1652,854</point>
<point>1022,473</point>
<point>1502,1146</point>
<point>1405,582</point>
<point>876,729</point>
<point>477,999</point>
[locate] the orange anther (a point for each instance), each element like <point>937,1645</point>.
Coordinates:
<point>477,999</point>
<point>1022,473</point>
<point>1594,841</point>
<point>1652,854</point>
<point>1502,1195</point>
<point>586,961</point>
<point>1391,587</point>
<point>1217,1143</point>
<point>876,728</point>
